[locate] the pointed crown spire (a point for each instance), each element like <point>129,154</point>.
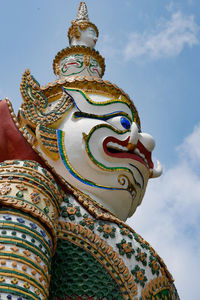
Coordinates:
<point>80,58</point>
<point>82,22</point>
<point>82,14</point>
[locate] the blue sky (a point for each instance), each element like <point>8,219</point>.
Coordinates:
<point>152,51</point>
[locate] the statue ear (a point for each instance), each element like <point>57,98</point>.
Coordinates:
<point>47,140</point>
<point>33,109</point>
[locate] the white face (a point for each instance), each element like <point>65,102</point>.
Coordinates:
<point>95,141</point>
<point>88,38</point>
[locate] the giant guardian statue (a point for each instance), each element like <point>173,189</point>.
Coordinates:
<point>74,165</point>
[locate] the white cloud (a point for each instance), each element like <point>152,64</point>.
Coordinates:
<point>168,39</point>
<point>169,217</point>
<point>191,146</point>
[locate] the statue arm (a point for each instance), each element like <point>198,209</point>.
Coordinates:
<point>30,199</point>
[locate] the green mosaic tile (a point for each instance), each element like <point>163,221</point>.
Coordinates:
<point>77,272</point>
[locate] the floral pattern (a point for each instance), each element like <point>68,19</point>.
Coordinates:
<point>70,212</point>
<point>106,229</point>
<point>125,248</point>
<point>125,231</point>
<point>153,264</point>
<point>87,221</point>
<point>142,242</point>
<point>5,188</point>
<point>35,197</point>
<point>139,275</point>
<point>141,256</point>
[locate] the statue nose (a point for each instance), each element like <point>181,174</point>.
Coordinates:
<point>147,140</point>
<point>134,136</point>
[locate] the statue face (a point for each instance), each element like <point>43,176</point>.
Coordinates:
<point>74,65</point>
<point>102,152</point>
<point>88,38</point>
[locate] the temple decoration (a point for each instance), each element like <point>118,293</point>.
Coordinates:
<point>74,165</point>
<point>80,57</point>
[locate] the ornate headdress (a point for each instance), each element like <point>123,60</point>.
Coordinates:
<point>82,22</point>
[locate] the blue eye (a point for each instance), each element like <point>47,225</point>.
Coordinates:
<point>125,123</point>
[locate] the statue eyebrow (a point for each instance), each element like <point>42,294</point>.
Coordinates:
<point>80,114</point>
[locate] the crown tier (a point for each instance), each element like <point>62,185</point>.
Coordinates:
<point>78,60</point>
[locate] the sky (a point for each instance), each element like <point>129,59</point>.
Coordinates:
<point>152,52</point>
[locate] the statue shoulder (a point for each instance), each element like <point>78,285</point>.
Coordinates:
<point>27,186</point>
<point>110,244</point>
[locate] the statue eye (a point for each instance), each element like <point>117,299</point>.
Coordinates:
<point>92,30</point>
<point>125,123</point>
<point>120,123</point>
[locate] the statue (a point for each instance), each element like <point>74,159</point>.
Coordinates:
<point>74,166</point>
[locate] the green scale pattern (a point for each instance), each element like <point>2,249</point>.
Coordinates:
<point>75,272</point>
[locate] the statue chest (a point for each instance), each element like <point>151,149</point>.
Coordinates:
<point>102,259</point>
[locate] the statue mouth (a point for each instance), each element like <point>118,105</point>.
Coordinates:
<point>116,148</point>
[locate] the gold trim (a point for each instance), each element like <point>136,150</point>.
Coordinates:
<point>42,138</point>
<point>26,207</point>
<point>73,30</point>
<point>18,290</point>
<point>27,230</point>
<point>155,286</point>
<point>30,186</point>
<point>33,108</point>
<point>29,219</point>
<point>25,279</point>
<point>35,174</point>
<point>24,262</point>
<point>77,50</point>
<point>45,260</point>
<point>86,97</point>
<point>25,273</point>
<point>88,84</point>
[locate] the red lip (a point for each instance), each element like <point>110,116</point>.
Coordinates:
<point>128,154</point>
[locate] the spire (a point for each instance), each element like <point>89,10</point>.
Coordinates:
<point>83,36</point>
<point>81,29</point>
<point>82,14</point>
